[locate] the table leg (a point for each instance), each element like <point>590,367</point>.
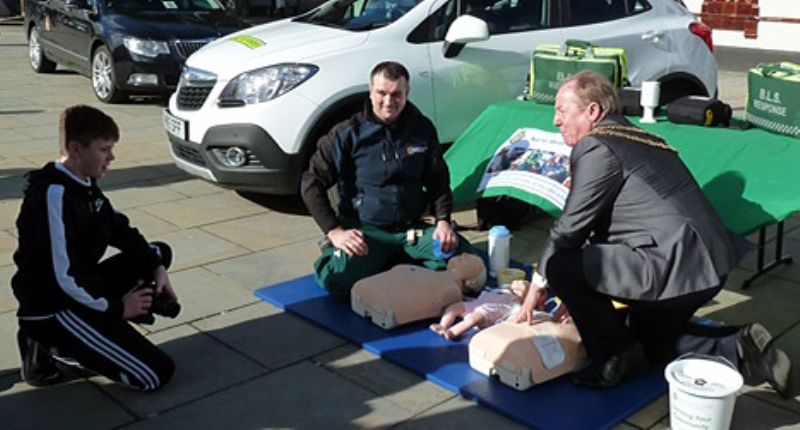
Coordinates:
<point>779,259</point>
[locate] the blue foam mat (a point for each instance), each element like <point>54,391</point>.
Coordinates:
<point>556,404</point>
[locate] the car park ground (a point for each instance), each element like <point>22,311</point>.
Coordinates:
<point>241,362</point>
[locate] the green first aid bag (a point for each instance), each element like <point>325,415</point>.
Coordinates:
<point>552,64</point>
<point>773,98</point>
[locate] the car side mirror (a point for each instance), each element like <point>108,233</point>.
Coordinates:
<point>77,4</point>
<point>465,29</point>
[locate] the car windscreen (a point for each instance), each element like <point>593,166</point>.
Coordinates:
<point>164,5</point>
<point>359,15</point>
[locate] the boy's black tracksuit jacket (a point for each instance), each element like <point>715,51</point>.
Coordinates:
<point>64,228</point>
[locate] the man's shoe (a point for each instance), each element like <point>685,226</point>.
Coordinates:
<point>762,361</point>
<point>613,371</point>
<point>38,367</point>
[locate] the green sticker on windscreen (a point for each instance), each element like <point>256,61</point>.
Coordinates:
<point>249,41</point>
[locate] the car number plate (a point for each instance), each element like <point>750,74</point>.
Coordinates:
<point>175,126</point>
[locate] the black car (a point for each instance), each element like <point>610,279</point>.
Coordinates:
<point>125,46</point>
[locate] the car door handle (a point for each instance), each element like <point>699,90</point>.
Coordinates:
<point>653,35</point>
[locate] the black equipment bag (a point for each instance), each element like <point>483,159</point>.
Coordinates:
<point>629,100</point>
<point>699,110</point>
<point>504,210</point>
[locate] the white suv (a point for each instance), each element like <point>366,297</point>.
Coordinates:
<point>250,107</point>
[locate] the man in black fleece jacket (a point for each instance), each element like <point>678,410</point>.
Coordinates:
<point>387,165</point>
<point>70,303</point>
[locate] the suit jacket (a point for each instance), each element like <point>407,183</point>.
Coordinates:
<point>646,229</point>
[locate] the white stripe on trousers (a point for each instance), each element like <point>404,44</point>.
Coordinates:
<point>105,347</point>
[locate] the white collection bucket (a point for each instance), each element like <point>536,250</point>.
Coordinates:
<point>702,393</point>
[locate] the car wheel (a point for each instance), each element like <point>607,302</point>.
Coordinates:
<point>39,61</point>
<point>103,84</point>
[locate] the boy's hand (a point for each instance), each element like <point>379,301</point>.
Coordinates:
<point>163,284</point>
<point>137,303</point>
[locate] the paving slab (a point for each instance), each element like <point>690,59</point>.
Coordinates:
<point>11,135</point>
<point>204,209</point>
<point>75,405</point>
<point>765,302</point>
<point>7,301</point>
<point>264,231</point>
<point>143,194</point>
<point>122,177</point>
<point>385,379</point>
<point>459,414</point>
<point>8,244</point>
<point>303,396</point>
<point>203,367</point>
<point>11,187</point>
<point>195,188</point>
<point>132,152</point>
<point>264,268</point>
<point>9,209</point>
<point>202,293</point>
<point>791,246</point>
<point>40,159</point>
<point>754,414</point>
<point>45,133</point>
<point>14,166</point>
<point>27,146</point>
<point>194,247</point>
<point>267,335</point>
<point>9,352</point>
<point>151,155</point>
<point>149,225</point>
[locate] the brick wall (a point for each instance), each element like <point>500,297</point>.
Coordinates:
<point>739,15</point>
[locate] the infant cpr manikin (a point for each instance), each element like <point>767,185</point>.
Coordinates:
<point>408,293</point>
<point>523,355</point>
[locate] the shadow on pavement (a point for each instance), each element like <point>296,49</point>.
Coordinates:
<point>12,181</point>
<point>253,374</point>
<point>288,204</point>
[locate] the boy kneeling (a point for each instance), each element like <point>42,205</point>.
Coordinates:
<point>70,303</point>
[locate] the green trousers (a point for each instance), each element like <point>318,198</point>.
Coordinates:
<point>337,272</point>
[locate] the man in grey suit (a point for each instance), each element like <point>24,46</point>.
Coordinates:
<point>637,228</point>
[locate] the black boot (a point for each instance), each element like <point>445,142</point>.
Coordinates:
<point>612,371</point>
<point>38,366</point>
<point>762,361</point>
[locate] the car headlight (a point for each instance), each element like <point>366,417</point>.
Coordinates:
<point>265,84</point>
<point>146,48</point>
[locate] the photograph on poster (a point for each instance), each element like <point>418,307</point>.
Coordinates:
<point>531,160</point>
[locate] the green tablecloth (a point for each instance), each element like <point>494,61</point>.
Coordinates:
<point>752,177</point>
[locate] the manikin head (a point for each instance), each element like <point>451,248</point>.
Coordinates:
<point>469,271</point>
<point>519,288</point>
<point>581,103</point>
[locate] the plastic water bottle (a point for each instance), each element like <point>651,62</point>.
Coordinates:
<point>499,249</point>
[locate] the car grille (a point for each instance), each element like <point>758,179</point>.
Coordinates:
<point>192,97</point>
<point>186,48</point>
<point>188,153</point>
